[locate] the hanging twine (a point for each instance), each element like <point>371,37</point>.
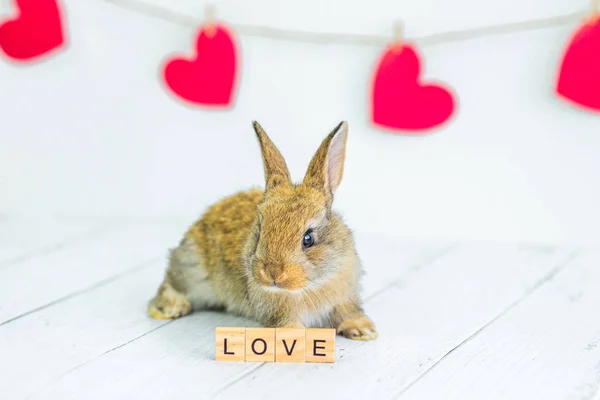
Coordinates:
<point>595,9</point>
<point>209,20</point>
<point>398,37</point>
<point>398,32</point>
<point>358,39</point>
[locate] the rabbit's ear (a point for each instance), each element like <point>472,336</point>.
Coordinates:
<point>276,171</point>
<point>327,165</point>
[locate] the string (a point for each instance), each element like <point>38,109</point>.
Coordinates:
<point>268,32</point>
<point>398,32</point>
<point>595,8</point>
<point>209,13</point>
<point>209,19</point>
<point>398,37</point>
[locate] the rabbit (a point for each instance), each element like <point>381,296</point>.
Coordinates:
<point>280,256</point>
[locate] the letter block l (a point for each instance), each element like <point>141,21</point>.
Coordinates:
<point>230,344</point>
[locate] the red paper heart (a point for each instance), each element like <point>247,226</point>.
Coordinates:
<point>579,76</point>
<point>35,31</point>
<point>209,77</point>
<point>400,101</point>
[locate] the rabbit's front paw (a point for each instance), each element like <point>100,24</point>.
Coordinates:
<point>169,304</point>
<point>358,328</point>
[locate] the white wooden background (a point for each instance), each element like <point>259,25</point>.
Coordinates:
<point>456,321</point>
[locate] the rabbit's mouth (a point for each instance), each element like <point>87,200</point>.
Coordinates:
<point>278,289</point>
<point>280,285</point>
<point>277,278</point>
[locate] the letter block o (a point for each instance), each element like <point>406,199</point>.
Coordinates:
<point>260,344</point>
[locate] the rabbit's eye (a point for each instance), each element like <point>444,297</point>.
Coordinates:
<point>308,239</point>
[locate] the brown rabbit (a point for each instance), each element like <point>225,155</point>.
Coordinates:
<point>281,256</point>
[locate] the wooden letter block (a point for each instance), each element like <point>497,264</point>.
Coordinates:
<point>260,344</point>
<point>290,345</point>
<point>320,345</point>
<point>230,344</point>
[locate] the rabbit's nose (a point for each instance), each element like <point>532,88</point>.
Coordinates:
<point>279,279</point>
<point>265,275</point>
<point>269,275</point>
<point>275,276</point>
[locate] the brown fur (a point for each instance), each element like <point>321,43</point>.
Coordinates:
<point>245,254</point>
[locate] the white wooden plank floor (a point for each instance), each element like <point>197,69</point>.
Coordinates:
<point>456,321</point>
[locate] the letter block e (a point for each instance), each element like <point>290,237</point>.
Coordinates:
<point>320,345</point>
